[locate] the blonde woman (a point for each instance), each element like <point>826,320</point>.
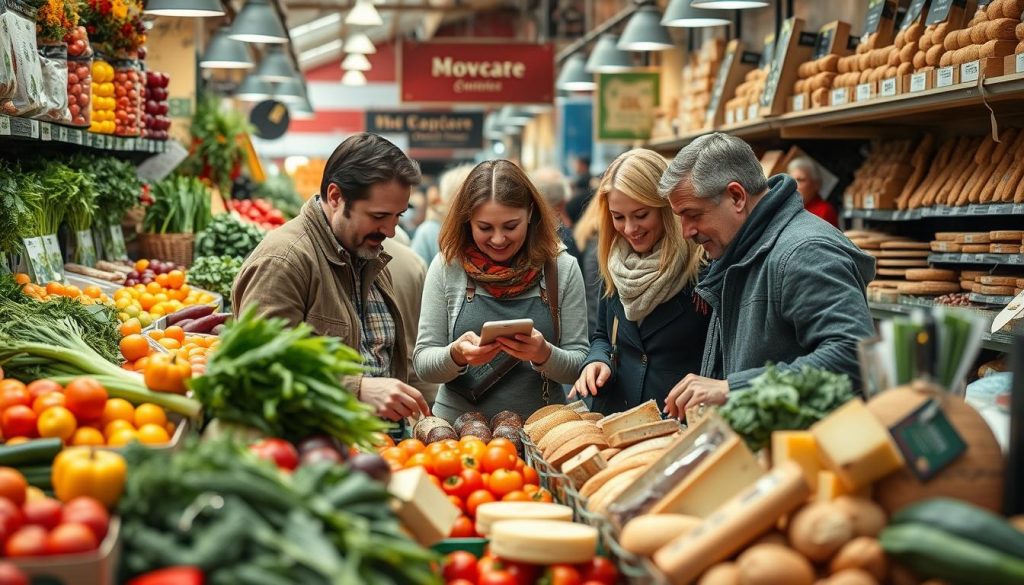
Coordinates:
<point>651,326</point>
<point>425,240</point>
<point>500,259</point>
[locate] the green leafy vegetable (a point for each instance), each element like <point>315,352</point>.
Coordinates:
<point>780,400</point>
<point>116,183</point>
<point>237,517</point>
<point>217,135</point>
<point>285,382</point>
<point>181,205</point>
<point>216,274</point>
<point>227,235</point>
<point>15,213</point>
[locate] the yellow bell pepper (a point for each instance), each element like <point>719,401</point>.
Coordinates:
<point>86,471</point>
<point>167,373</point>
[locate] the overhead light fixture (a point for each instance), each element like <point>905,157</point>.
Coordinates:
<point>364,13</point>
<point>276,66</point>
<point>254,89</point>
<point>258,23</point>
<point>512,116</point>
<point>185,8</point>
<point>223,52</point>
<point>353,77</point>
<point>574,76</point>
<point>729,4</point>
<point>359,43</point>
<point>301,110</point>
<point>607,57</point>
<point>356,62</point>
<point>290,92</point>
<point>644,32</point>
<point>681,14</point>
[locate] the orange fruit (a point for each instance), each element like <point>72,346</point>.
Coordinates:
<point>87,436</point>
<point>176,278</point>
<point>93,292</point>
<point>147,300</point>
<point>154,288</point>
<point>149,414</point>
<point>169,343</point>
<point>141,364</point>
<point>46,401</point>
<point>122,437</point>
<point>175,332</point>
<point>131,327</point>
<point>162,280</point>
<point>142,265</point>
<point>72,291</point>
<point>54,288</point>
<point>156,334</point>
<point>57,421</point>
<point>134,347</point>
<point>117,409</point>
<point>22,279</point>
<point>153,435</point>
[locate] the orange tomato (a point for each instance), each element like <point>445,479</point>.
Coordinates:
<point>476,498</point>
<point>162,280</point>
<point>395,454</point>
<point>505,444</point>
<point>86,399</point>
<point>504,481</point>
<point>176,333</point>
<point>176,279</point>
<point>13,392</point>
<point>542,495</point>
<point>447,464</point>
<point>434,448</point>
<point>410,446</point>
<point>153,435</point>
<point>420,459</point>
<point>130,327</point>
<point>134,347</point>
<point>117,409</point>
<point>47,400</point>
<point>87,436</point>
<point>516,496</point>
<point>496,458</point>
<point>451,444</point>
<point>472,447</point>
<point>122,437</point>
<point>13,485</point>
<point>141,265</point>
<point>154,288</point>
<point>44,386</point>
<point>54,288</point>
<point>72,291</point>
<point>149,414</point>
<point>116,426</point>
<point>93,292</point>
<point>530,475</point>
<point>22,278</point>
<point>56,421</point>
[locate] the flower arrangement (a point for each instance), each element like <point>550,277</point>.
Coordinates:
<point>114,25</point>
<point>55,19</point>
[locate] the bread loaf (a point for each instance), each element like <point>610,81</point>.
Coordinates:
<point>1013,9</point>
<point>920,60</point>
<point>997,49</point>
<point>1002,160</point>
<point>1002,29</point>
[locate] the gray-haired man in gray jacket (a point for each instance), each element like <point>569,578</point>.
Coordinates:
<point>784,286</point>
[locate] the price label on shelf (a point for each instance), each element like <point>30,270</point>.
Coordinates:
<point>62,134</point>
<point>1019,63</point>
<point>34,128</point>
<point>981,258</point>
<point>840,96</point>
<point>799,102</point>
<point>919,81</point>
<point>76,136</point>
<point>5,126</point>
<point>970,71</point>
<point>741,114</point>
<point>977,210</point>
<point>1017,259</point>
<point>45,132</point>
<point>1001,208</point>
<point>869,201</point>
<point>865,91</point>
<point>752,111</point>
<point>730,117</point>
<point>944,77</point>
<point>888,87</point>
<point>1018,209</point>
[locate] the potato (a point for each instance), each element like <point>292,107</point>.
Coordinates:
<point>851,577</point>
<point>868,518</point>
<point>818,530</point>
<point>721,574</point>
<point>862,553</point>
<point>773,564</point>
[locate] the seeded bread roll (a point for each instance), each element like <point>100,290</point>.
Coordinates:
<point>920,60</point>
<point>934,55</point>
<point>927,39</point>
<point>997,49</point>
<point>1002,29</point>
<point>829,64</point>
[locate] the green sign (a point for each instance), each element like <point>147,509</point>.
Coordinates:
<point>179,107</point>
<point>627,104</point>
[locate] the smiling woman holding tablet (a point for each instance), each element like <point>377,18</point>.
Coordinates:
<point>504,319</point>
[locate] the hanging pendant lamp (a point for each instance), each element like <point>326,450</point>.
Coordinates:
<point>258,23</point>
<point>607,57</point>
<point>681,14</point>
<point>223,52</point>
<point>184,8</point>
<point>644,32</point>
<point>574,76</point>
<point>729,4</point>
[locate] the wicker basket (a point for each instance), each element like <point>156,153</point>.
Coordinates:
<point>175,248</point>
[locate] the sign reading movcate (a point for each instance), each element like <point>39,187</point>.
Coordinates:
<point>468,72</point>
<point>430,129</point>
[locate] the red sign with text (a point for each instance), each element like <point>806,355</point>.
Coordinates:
<point>474,72</point>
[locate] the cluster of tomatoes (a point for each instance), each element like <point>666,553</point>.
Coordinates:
<point>80,414</point>
<point>32,524</point>
<point>164,294</point>
<point>89,295</point>
<point>471,472</point>
<point>463,568</point>
<point>193,350</point>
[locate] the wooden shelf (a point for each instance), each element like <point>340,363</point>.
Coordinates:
<point>973,210</point>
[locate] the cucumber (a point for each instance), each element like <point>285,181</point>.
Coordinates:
<point>38,475</point>
<point>35,452</point>
<point>967,521</point>
<point>934,553</point>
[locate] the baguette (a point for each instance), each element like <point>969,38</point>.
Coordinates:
<point>981,159</point>
<point>943,194</point>
<point>630,436</point>
<point>964,167</point>
<point>1001,29</point>
<point>941,159</point>
<point>919,161</point>
<point>1013,175</point>
<point>1002,160</point>
<point>997,49</point>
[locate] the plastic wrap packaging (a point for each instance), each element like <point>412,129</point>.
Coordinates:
<point>7,75</point>
<point>103,102</point>
<point>79,77</point>
<point>127,94</point>
<point>53,100</point>
<point>19,30</point>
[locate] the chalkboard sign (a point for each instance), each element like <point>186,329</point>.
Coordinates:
<point>914,12</point>
<point>750,58</point>
<point>775,73</point>
<point>939,12</point>
<point>769,52</point>
<point>823,44</point>
<point>983,3</point>
<point>270,118</point>
<point>723,74</point>
<point>874,16</point>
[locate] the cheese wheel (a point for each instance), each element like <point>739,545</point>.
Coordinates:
<point>991,280</point>
<point>543,542</point>
<point>932,274</point>
<point>928,288</point>
<point>974,248</point>
<point>492,512</point>
<point>997,291</point>
<point>904,245</point>
<point>973,238</point>
<point>1006,235</point>
<point>1004,249</point>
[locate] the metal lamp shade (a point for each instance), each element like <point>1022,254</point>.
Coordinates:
<point>356,62</point>
<point>607,57</point>
<point>224,52</point>
<point>729,4</point>
<point>301,110</point>
<point>683,15</point>
<point>254,89</point>
<point>258,23</point>
<point>185,8</point>
<point>276,66</point>
<point>353,78</point>
<point>644,32</point>
<point>359,43</point>
<point>364,13</point>
<point>290,92</point>
<point>574,76</point>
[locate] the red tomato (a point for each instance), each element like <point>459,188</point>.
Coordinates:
<point>88,511</point>
<point>497,458</point>
<point>85,398</point>
<point>12,575</point>
<point>40,387</point>
<point>13,393</point>
<point>476,498</point>
<point>19,421</point>
<point>504,481</point>
<point>11,518</point>
<point>470,462</point>
<point>516,496</point>
<point>70,539</point>
<point>530,475</point>
<point>280,452</point>
<point>455,485</point>
<point>463,528</point>
<point>45,512</point>
<point>524,573</point>
<point>497,578</point>
<point>447,464</point>
<point>599,570</point>
<point>504,444</point>
<point>461,582</point>
<point>542,495</point>
<point>28,541</point>
<point>460,565</point>
<point>474,480</point>
<point>562,575</point>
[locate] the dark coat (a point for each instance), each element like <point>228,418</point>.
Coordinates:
<point>651,358</point>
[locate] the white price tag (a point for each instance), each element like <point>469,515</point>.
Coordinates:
<point>979,258</point>
<point>741,114</point>
<point>864,92</point>
<point>799,102</point>
<point>62,134</point>
<point>970,71</point>
<point>730,117</point>
<point>45,132</point>
<point>840,97</point>
<point>869,201</point>
<point>34,128</point>
<point>1020,63</point>
<point>752,111</point>
<point>888,87</point>
<point>918,81</point>
<point>5,126</point>
<point>944,77</point>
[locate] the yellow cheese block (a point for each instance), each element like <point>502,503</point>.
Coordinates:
<point>492,512</point>
<point>855,446</point>
<point>830,487</point>
<point>423,508</point>
<point>801,448</point>
<point>543,542</point>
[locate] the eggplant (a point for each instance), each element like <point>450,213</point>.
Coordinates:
<point>193,312</point>
<point>372,465</point>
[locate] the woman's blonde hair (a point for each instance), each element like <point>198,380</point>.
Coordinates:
<point>588,226</point>
<point>504,182</point>
<point>636,174</point>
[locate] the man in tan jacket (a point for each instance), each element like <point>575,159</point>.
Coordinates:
<point>327,268</point>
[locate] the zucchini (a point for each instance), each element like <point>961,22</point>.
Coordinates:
<point>34,452</point>
<point>934,553</point>
<point>967,521</point>
<point>38,475</point>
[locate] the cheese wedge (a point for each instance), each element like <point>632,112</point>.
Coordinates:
<point>638,415</point>
<point>856,446</point>
<point>573,446</point>
<point>632,435</point>
<point>422,506</point>
<point>487,515</point>
<point>801,448</point>
<point>655,444</point>
<point>584,465</point>
<point>543,542</point>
